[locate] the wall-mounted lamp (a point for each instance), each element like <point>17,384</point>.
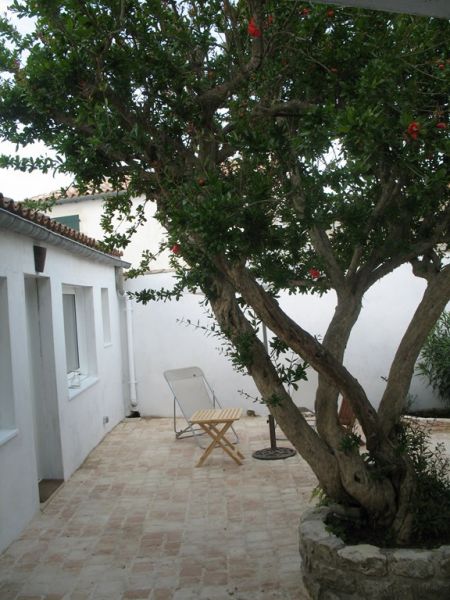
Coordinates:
<point>39,258</point>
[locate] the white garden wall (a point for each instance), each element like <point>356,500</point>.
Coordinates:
<point>163,343</point>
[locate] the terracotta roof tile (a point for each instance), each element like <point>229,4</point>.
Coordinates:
<point>73,192</point>
<point>39,218</point>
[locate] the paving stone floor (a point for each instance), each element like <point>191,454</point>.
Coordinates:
<point>138,520</point>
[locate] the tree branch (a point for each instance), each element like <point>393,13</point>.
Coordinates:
<point>282,109</point>
<point>374,269</point>
<point>324,249</point>
<point>428,266</point>
<point>232,38</point>
<point>214,98</point>
<point>434,300</point>
<point>232,321</point>
<point>353,477</point>
<point>305,345</point>
<point>389,192</point>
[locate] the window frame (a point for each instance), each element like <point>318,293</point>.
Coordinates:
<point>106,316</point>
<point>71,221</point>
<point>75,377</point>
<point>8,428</point>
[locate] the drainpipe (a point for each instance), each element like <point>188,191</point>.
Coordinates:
<point>130,344</point>
<point>130,340</point>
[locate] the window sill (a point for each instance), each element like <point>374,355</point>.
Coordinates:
<point>85,384</point>
<point>7,434</point>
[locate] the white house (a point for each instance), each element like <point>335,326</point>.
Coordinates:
<point>163,341</point>
<point>62,382</point>
<point>84,212</point>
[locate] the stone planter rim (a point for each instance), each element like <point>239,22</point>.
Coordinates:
<point>333,570</point>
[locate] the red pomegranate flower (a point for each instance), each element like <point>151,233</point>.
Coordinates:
<point>253,29</point>
<point>176,249</point>
<point>414,129</point>
<point>330,12</point>
<point>315,273</point>
<point>305,11</point>
<point>441,125</point>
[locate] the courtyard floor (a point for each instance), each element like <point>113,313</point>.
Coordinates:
<point>138,520</point>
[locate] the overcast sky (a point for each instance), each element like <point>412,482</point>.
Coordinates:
<point>18,185</point>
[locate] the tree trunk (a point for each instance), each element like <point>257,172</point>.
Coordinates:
<point>342,472</point>
<point>306,346</point>
<point>335,341</point>
<point>386,495</point>
<point>433,303</point>
<point>232,321</point>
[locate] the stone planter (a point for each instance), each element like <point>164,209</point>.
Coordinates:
<point>334,571</point>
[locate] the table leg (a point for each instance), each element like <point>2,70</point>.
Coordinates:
<point>217,436</point>
<point>228,443</point>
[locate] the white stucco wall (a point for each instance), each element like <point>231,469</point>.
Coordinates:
<point>77,419</point>
<point>161,343</point>
<point>18,474</point>
<point>387,308</point>
<point>81,414</point>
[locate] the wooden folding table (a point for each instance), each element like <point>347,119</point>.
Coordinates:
<point>216,422</point>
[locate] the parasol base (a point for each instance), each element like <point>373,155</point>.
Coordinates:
<point>274,453</point>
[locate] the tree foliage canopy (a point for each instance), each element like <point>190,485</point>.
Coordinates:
<point>301,146</point>
<point>169,95</point>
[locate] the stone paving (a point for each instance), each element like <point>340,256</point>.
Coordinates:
<point>138,520</point>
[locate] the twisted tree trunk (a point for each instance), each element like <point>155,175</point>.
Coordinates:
<point>342,472</point>
<point>340,468</point>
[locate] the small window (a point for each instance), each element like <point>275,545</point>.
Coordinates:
<point>72,221</point>
<point>78,333</point>
<point>7,420</point>
<point>70,332</point>
<point>106,317</point>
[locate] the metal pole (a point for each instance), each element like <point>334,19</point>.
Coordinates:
<point>273,438</point>
<point>272,453</point>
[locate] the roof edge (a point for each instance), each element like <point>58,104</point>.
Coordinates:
<point>43,229</point>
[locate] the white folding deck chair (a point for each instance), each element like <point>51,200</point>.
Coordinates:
<point>191,392</point>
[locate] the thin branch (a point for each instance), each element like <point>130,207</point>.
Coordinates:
<point>283,109</point>
<point>230,35</point>
<point>389,192</point>
<point>375,269</point>
<point>324,249</point>
<point>214,98</point>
